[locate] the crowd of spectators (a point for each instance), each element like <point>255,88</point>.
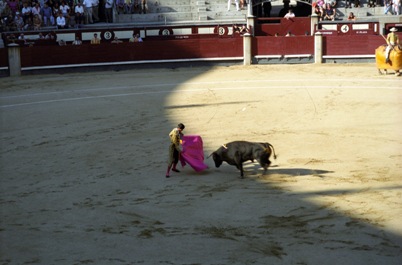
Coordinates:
<point>325,11</point>
<point>19,15</point>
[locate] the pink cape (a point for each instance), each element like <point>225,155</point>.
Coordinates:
<point>193,152</point>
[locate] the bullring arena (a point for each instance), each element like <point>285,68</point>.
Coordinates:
<point>83,163</point>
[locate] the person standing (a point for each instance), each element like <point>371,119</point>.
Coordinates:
<point>237,4</point>
<point>109,11</point>
<point>95,10</point>
<point>174,148</point>
<point>392,41</point>
<point>267,7</point>
<point>88,11</point>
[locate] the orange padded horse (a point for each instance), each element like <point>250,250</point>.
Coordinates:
<point>395,59</point>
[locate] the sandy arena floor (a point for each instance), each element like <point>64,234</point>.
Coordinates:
<point>83,160</point>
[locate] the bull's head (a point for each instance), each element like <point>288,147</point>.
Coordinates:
<point>217,159</point>
<point>264,159</point>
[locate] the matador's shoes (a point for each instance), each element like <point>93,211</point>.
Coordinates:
<point>175,170</point>
<point>167,176</point>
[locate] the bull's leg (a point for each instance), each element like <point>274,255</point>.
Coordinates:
<point>239,164</point>
<point>397,73</point>
<point>379,71</point>
<point>241,171</point>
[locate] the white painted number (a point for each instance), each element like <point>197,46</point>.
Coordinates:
<point>221,31</point>
<point>345,28</point>
<point>107,35</point>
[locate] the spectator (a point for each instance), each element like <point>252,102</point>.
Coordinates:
<point>237,4</point>
<point>95,10</point>
<point>61,21</point>
<point>120,6</point>
<point>329,13</point>
<point>241,4</point>
<point>56,10</point>
<point>116,40</point>
<point>10,23</point>
<point>47,15</point>
<point>322,3</point>
<point>290,14</point>
<point>128,6</point>
<point>65,10</point>
<point>79,14</point>
<point>396,7</point>
<point>4,9</point>
<point>351,17</point>
<point>3,5</point>
<point>88,11</point>
<point>136,38</point>
<point>37,10</point>
<point>19,21</point>
<point>319,11</point>
<point>49,36</point>
<point>371,3</point>
<point>267,7</point>
<point>62,42</point>
<point>109,11</point>
<point>22,37</point>
<point>14,6</point>
<point>357,3</point>
<point>143,7</point>
<point>37,22</point>
<point>241,30</point>
<point>289,34</point>
<point>387,6</point>
<point>95,39</point>
<point>77,41</point>
<point>26,12</point>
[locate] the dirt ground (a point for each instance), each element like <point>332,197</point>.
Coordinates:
<point>83,161</point>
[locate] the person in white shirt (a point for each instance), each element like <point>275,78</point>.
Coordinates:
<point>237,4</point>
<point>88,11</point>
<point>95,10</point>
<point>290,14</point>
<point>65,10</point>
<point>26,12</point>
<point>61,21</point>
<point>36,10</point>
<point>79,14</point>
<point>77,41</point>
<point>109,11</point>
<point>396,7</point>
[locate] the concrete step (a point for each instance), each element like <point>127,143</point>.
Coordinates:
<point>155,17</point>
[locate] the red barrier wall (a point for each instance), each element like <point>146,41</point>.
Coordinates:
<point>271,26</point>
<point>149,50</point>
<point>351,45</point>
<point>283,45</point>
<point>3,57</point>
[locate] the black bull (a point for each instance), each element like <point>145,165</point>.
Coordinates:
<point>237,152</point>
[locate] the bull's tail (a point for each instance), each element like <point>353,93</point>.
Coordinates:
<point>273,149</point>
